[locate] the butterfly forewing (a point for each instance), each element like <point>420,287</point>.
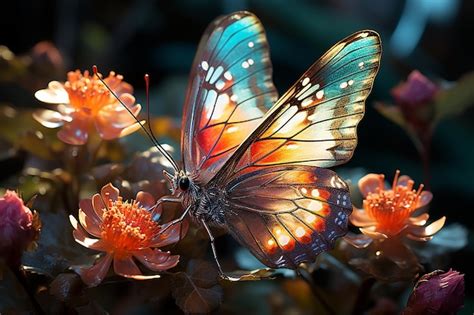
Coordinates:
<point>315,122</point>
<point>288,214</point>
<point>229,92</point>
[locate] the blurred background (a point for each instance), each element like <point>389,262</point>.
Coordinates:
<point>160,38</point>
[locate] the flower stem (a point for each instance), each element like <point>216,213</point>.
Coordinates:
<point>22,279</point>
<point>425,155</point>
<point>363,296</point>
<point>306,276</point>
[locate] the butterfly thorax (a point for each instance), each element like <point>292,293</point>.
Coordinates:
<point>207,203</point>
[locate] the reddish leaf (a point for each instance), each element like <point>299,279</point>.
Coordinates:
<point>197,290</point>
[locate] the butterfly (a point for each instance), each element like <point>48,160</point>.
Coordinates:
<point>255,163</point>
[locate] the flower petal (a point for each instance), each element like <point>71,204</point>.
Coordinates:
<point>128,99</point>
<point>98,205</point>
<point>75,132</point>
<point>145,200</point>
<point>117,85</point>
<point>81,237</point>
<point>49,118</point>
<point>126,267</point>
<point>371,232</point>
<point>419,238</point>
<point>359,241</point>
<point>360,218</point>
<point>370,182</point>
<point>93,276</point>
<point>170,235</point>
<point>403,180</point>
<point>54,94</point>
<point>113,121</point>
<point>154,256</point>
<point>131,129</point>
<point>91,226</point>
<point>425,198</point>
<point>87,207</point>
<point>109,192</point>
<point>430,230</point>
<point>419,220</point>
<point>156,260</point>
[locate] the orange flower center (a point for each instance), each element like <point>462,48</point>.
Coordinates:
<point>86,92</point>
<point>392,208</point>
<point>127,227</point>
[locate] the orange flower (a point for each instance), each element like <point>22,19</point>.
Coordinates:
<point>124,230</point>
<point>84,101</point>
<point>390,212</point>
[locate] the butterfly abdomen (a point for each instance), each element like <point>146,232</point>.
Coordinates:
<point>209,205</point>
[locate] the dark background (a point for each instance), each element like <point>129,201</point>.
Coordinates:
<point>160,38</point>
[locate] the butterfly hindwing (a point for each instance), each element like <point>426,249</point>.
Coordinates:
<point>287,215</point>
<point>230,90</point>
<point>315,122</point>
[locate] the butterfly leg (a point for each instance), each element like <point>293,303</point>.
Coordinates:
<point>214,252</point>
<point>165,199</point>
<point>176,221</point>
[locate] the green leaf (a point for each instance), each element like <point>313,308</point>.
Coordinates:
<point>456,99</point>
<point>254,275</point>
<point>20,130</point>
<point>57,250</point>
<point>394,114</point>
<point>197,290</point>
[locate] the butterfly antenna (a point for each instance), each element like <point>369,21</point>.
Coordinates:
<point>147,90</point>
<point>148,133</point>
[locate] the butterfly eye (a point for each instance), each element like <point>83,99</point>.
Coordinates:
<point>184,183</point>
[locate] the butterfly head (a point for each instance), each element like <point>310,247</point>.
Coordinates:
<point>179,182</point>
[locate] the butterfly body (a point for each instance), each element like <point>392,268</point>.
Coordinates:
<point>255,163</point>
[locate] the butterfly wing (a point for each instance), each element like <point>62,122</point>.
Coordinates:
<point>315,122</point>
<point>230,89</point>
<point>281,204</point>
<point>287,215</point>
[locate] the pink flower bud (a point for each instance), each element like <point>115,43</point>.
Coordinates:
<point>437,293</point>
<point>416,91</point>
<point>19,227</point>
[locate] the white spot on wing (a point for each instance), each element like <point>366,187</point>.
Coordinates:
<point>227,75</point>
<point>220,85</point>
<point>209,74</point>
<point>216,74</point>
<point>250,44</point>
<point>245,64</point>
<point>205,65</point>
<point>305,81</point>
<point>307,102</point>
<point>221,104</point>
<point>320,94</point>
<point>293,123</point>
<point>232,129</point>
<point>309,92</point>
<point>209,103</point>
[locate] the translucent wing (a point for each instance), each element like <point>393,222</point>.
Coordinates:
<point>287,215</point>
<point>230,89</point>
<point>315,122</point>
